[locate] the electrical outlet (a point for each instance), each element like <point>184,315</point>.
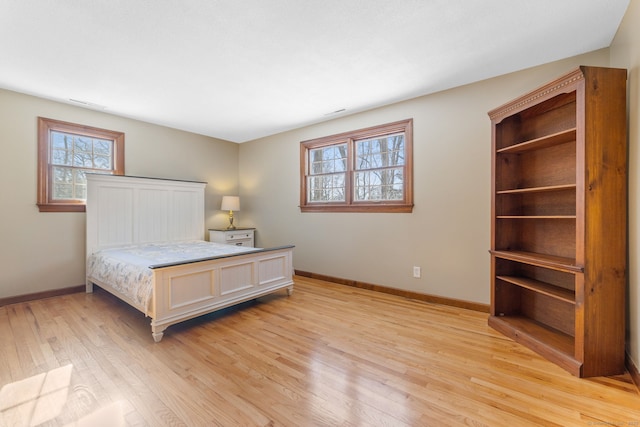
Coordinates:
<point>416,272</point>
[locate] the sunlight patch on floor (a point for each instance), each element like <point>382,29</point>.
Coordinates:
<point>36,399</point>
<point>41,398</point>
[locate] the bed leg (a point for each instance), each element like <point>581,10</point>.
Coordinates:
<point>289,290</point>
<point>157,332</point>
<point>89,286</point>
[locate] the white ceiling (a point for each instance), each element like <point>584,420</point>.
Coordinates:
<point>243,69</point>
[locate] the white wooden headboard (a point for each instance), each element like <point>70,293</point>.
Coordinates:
<point>125,210</point>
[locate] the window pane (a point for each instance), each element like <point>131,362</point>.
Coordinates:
<point>83,143</point>
<point>62,157</point>
<point>69,184</point>
<point>61,141</point>
<point>80,177</point>
<point>62,183</point>
<point>328,159</point>
<point>82,159</point>
<point>385,184</point>
<point>80,185</point>
<point>102,162</point>
<point>380,152</point>
<point>102,147</point>
<point>327,188</point>
<point>62,191</point>
<point>62,175</point>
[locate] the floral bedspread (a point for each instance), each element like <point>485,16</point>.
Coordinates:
<point>129,269</point>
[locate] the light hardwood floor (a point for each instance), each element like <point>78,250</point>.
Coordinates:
<point>329,355</point>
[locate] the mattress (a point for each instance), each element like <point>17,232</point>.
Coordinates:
<point>129,269</point>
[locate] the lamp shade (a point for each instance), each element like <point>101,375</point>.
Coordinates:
<point>230,203</point>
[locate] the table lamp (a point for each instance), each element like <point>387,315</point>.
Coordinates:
<point>230,203</point>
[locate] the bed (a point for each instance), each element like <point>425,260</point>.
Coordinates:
<point>145,245</point>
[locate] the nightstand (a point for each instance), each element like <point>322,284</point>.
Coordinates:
<point>237,237</point>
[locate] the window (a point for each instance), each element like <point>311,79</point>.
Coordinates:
<point>67,151</point>
<point>369,170</point>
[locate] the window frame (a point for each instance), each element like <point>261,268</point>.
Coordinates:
<point>350,204</point>
<point>45,202</point>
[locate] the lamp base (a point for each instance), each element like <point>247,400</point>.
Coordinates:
<point>231,226</point>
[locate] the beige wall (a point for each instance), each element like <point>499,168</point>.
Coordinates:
<point>45,251</point>
<point>625,53</point>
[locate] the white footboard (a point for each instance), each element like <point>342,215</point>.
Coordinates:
<point>186,291</point>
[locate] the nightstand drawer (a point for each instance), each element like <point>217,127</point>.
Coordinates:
<point>232,236</point>
<point>237,237</point>
<point>241,242</point>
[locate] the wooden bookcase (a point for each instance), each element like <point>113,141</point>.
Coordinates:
<point>558,240</point>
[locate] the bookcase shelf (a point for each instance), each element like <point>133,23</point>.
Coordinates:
<point>542,142</point>
<point>536,216</point>
<point>538,189</point>
<point>558,231</point>
<point>541,260</point>
<point>541,287</point>
<point>548,342</point>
